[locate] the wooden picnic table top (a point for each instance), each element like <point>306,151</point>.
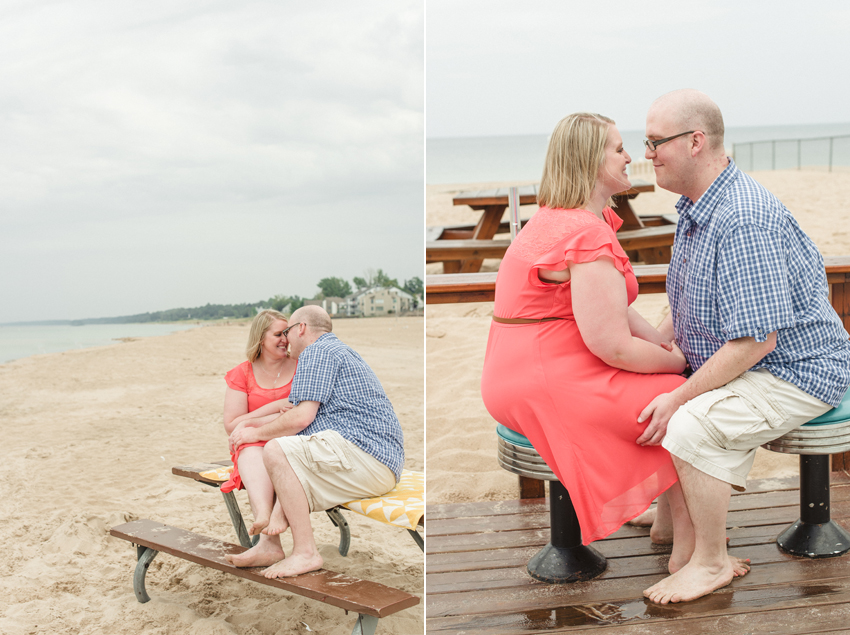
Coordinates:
<point>528,194</point>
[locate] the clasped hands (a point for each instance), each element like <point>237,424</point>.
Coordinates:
<point>244,433</point>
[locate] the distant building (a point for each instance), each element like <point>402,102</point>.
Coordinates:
<point>334,306</point>
<point>379,301</point>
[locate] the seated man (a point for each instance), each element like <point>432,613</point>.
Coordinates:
<point>749,307</point>
<point>340,442</point>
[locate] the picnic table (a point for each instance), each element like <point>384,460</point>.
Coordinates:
<point>492,205</point>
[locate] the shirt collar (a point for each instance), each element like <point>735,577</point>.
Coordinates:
<point>701,211</point>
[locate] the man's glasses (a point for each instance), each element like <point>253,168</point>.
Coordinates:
<point>286,330</point>
<point>652,145</point>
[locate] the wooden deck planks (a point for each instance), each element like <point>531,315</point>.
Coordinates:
<point>477,583</point>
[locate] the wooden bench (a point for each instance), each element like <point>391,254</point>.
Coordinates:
<point>651,245</point>
<point>370,600</point>
<point>195,472</point>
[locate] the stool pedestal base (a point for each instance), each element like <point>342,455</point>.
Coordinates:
<point>826,540</point>
<point>564,559</point>
<point>560,565</point>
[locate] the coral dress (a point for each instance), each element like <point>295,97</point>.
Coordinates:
<point>542,381</point>
<point>242,378</point>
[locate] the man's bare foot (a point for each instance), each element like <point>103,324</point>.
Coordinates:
<point>645,519</point>
<point>661,535</point>
<point>277,523</point>
<point>679,560</point>
<point>692,581</point>
<point>258,526</point>
<point>295,565</point>
<point>263,554</point>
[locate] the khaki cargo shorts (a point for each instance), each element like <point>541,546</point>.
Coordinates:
<point>719,431</point>
<point>333,470</point>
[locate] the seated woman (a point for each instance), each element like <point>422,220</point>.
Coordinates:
<point>569,364</point>
<point>256,393</point>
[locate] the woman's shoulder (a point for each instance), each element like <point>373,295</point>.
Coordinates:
<point>552,227</point>
<point>239,376</point>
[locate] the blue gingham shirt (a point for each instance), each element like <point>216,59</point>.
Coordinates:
<point>354,403</point>
<point>742,267</point>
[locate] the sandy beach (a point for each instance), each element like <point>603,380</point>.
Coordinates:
<point>461,445</point>
<point>91,436</point>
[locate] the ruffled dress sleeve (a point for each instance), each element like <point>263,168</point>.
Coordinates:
<point>237,378</point>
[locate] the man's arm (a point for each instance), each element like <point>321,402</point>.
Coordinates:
<point>732,359</point>
<point>287,424</point>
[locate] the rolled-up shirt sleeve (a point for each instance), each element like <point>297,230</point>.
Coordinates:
<point>753,297</point>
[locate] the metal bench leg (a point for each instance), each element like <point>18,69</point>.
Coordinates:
<point>145,556</point>
<point>238,522</point>
<point>344,532</point>
<point>815,534</point>
<point>417,538</point>
<point>565,559</point>
<point>365,625</point>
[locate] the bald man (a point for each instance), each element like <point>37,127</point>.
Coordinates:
<point>341,441</point>
<point>749,307</point>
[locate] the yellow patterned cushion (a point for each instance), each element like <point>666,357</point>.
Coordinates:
<point>402,506</point>
<point>221,475</point>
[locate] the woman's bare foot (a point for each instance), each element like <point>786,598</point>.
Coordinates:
<point>645,519</point>
<point>263,554</point>
<point>258,526</point>
<point>277,523</point>
<point>295,565</point>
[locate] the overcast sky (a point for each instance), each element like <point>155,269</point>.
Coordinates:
<point>160,154</point>
<point>497,67</point>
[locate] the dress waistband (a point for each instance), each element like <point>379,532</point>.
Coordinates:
<point>502,320</point>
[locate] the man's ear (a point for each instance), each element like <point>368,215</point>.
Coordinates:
<point>699,142</point>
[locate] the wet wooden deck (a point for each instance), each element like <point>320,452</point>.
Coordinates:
<point>476,582</point>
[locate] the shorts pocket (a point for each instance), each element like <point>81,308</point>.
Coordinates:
<point>327,454</point>
<point>700,407</point>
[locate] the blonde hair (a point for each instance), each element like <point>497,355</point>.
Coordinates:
<point>575,155</point>
<point>262,322</point>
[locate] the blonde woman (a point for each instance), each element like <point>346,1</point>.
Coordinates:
<point>257,391</point>
<point>569,364</point>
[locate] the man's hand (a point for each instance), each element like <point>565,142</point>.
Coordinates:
<point>242,435</point>
<point>658,412</point>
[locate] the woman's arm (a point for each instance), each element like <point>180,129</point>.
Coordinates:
<point>601,309</point>
<point>274,407</point>
<point>235,405</point>
<point>639,327</point>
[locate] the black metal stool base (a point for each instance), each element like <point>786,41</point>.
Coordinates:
<point>560,565</point>
<point>811,540</point>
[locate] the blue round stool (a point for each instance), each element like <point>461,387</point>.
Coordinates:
<point>564,559</point>
<point>815,534</point>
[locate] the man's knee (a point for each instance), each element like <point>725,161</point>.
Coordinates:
<point>274,456</point>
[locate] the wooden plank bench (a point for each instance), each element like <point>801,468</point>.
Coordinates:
<point>370,600</point>
<point>651,245</point>
<point>195,472</point>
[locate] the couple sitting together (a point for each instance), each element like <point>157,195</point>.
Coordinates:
<point>334,435</point>
<point>601,394</point>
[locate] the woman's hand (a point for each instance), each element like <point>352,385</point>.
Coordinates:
<point>678,354</point>
<point>241,435</point>
<point>285,406</point>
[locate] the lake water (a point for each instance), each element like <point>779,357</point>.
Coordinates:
<point>520,158</point>
<point>22,341</point>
